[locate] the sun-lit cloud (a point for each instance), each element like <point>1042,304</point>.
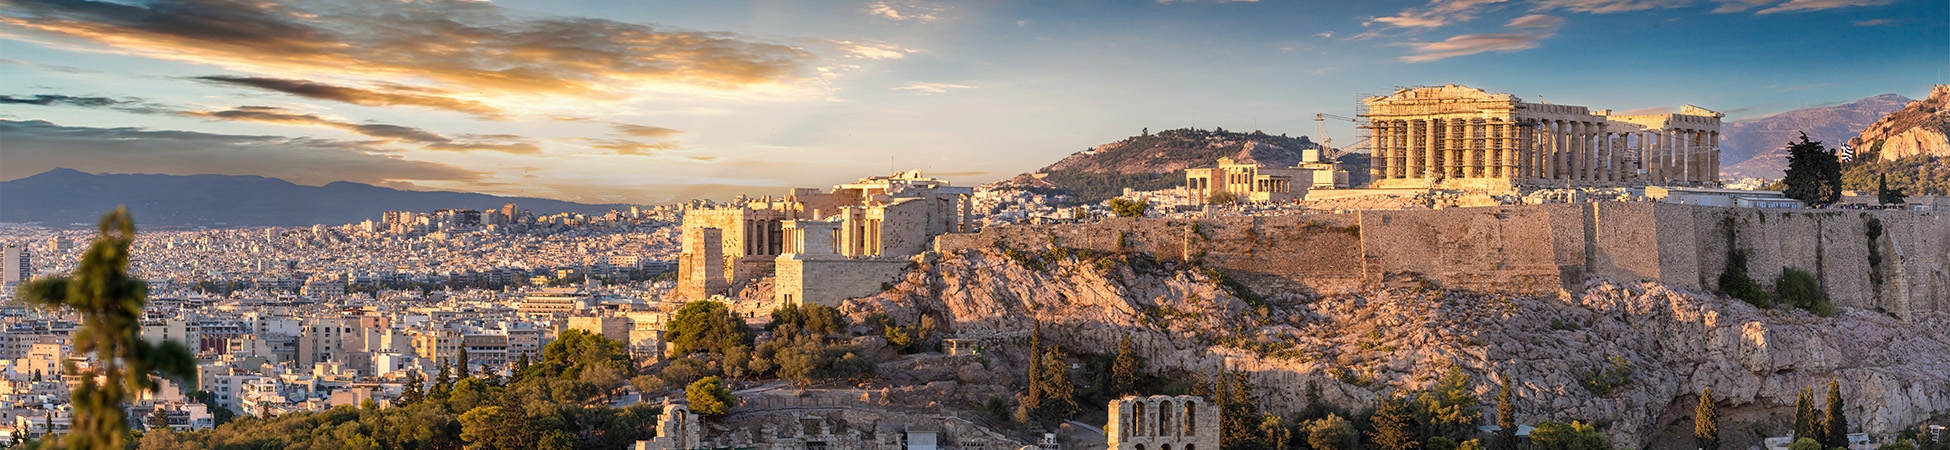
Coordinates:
<point>1817,5</point>
<point>1873,22</point>
<point>645,131</point>
<point>276,115</point>
<point>1609,6</point>
<point>908,11</point>
<point>1437,13</point>
<point>1525,34</point>
<point>931,88</point>
<point>873,50</point>
<point>454,46</point>
<point>630,146</point>
<point>36,146</point>
<point>54,99</point>
<point>400,96</point>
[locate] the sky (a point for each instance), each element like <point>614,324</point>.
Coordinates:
<point>657,101</point>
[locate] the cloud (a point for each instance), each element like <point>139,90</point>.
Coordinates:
<point>631,147</point>
<point>390,132</point>
<point>1873,22</point>
<point>931,88</point>
<point>48,99</point>
<point>873,50</point>
<point>1608,6</point>
<point>1729,6</point>
<point>36,146</point>
<point>1437,13</point>
<point>908,11</point>
<point>1324,34</point>
<point>358,96</point>
<point>459,46</point>
<point>645,131</point>
<point>1817,5</point>
<point>1527,31</point>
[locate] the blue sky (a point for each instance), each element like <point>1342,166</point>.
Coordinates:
<point>603,101</point>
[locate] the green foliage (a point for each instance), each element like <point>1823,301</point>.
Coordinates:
<point>1706,422</point>
<point>1737,284</point>
<point>1274,432</point>
<point>1506,418</point>
<point>1441,443</point>
<point>1449,409</point>
<point>110,303</point>
<point>1834,424</point>
<point>1899,445</point>
<point>1806,424</point>
<point>1218,197</point>
<point>1600,381</point>
<point>1912,175</point>
<point>1814,174</point>
<point>1801,290</point>
<point>1805,444</point>
<point>709,397</point>
<point>809,318</point>
<point>1236,288</point>
<point>1873,229</point>
<point>1129,208</point>
<point>1394,426</point>
<point>1095,187</point>
<point>997,409</point>
<point>1885,195</point>
<point>1238,407</point>
<point>1332,433</point>
<point>807,360</point>
<point>1575,436</point>
<point>1124,372</point>
<point>1059,393</point>
<point>582,356</point>
<point>706,326</point>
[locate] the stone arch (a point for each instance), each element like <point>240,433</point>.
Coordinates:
<point>1138,420</point>
<point>1166,410</point>
<point>1191,419</point>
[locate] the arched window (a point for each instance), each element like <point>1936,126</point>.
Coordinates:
<point>1138,420</point>
<point>1191,420</point>
<point>1165,411</point>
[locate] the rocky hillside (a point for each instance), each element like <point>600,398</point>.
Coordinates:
<point>1630,357</point>
<point>1755,147</point>
<point>1920,128</point>
<point>1152,161</point>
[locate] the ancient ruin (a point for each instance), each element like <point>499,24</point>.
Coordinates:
<point>1159,422</point>
<point>1457,137</point>
<point>1249,182</point>
<point>852,238</point>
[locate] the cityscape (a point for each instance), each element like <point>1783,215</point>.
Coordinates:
<point>868,225</point>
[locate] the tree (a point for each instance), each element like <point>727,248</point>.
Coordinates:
<point>1706,422</point>
<point>706,326</point>
<point>1220,198</point>
<point>1332,433</point>
<point>1887,196</point>
<point>411,392</point>
<point>709,397</point>
<point>521,365</point>
<point>1238,408</point>
<point>1275,432</point>
<point>1806,425</point>
<point>1450,406</point>
<point>1124,370</point>
<point>110,303</point>
<point>1129,208</point>
<point>461,369</point>
<point>1506,418</point>
<point>1814,174</point>
<point>1059,394</point>
<point>1393,426</point>
<point>1834,425</point>
<point>1033,399</point>
<point>1805,444</point>
<point>1573,436</point>
<point>443,384</point>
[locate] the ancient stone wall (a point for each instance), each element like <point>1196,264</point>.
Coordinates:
<point>834,280</point>
<point>1535,249</point>
<point>1159,422</point>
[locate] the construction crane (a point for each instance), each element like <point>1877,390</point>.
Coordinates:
<point>1327,142</point>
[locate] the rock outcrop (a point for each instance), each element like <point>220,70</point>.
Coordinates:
<point>1920,128</point>
<point>1353,349</point>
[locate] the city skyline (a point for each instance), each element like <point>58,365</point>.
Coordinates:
<point>601,102</point>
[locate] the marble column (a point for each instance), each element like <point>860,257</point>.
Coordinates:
<point>1430,148</point>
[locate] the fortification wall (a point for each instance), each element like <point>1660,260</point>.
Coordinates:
<point>834,280</point>
<point>1535,249</point>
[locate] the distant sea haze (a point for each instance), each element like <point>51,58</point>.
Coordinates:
<point>65,197</point>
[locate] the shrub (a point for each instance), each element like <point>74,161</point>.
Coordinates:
<point>1602,380</point>
<point>1801,290</point>
<point>1735,282</point>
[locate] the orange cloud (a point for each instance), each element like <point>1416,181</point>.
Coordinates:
<point>357,96</point>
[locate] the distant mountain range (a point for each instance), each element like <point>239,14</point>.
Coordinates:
<point>62,197</point>
<point>1757,147</point>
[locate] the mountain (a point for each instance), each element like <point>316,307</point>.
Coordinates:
<point>61,197</point>
<point>1756,147</point>
<point>1152,161</point>
<point>1909,149</point>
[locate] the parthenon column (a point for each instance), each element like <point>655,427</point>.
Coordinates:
<point>1714,143</point>
<point>1412,140</point>
<point>1432,148</point>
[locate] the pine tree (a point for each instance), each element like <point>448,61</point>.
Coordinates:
<point>1034,399</point>
<point>1124,371</point>
<point>1834,425</point>
<point>443,383</point>
<point>1706,422</point>
<point>1238,410</point>
<point>521,365</point>
<point>110,303</point>
<point>1814,174</point>
<point>1805,423</point>
<point>1275,432</point>
<point>1506,418</point>
<point>411,392</point>
<point>1059,394</point>
<point>1393,426</point>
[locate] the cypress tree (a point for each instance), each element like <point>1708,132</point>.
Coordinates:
<point>1059,394</point>
<point>1124,371</point>
<point>1805,423</point>
<point>461,370</point>
<point>1835,424</point>
<point>1506,418</point>
<point>1706,422</point>
<point>1034,399</point>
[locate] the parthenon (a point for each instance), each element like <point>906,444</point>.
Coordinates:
<point>1457,137</point>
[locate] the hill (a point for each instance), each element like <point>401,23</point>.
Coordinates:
<point>61,197</point>
<point>1755,147</point>
<point>1910,146</point>
<point>1152,161</point>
